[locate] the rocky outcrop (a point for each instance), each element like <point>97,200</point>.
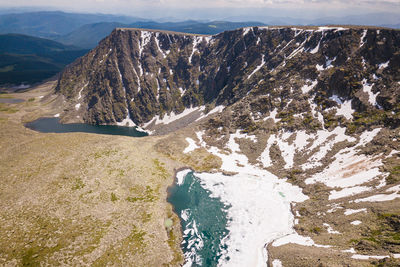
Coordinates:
<point>311,76</point>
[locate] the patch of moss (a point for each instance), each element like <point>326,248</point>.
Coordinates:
<point>114,197</point>
<point>146,217</point>
<point>78,184</point>
<point>146,195</point>
<point>293,173</point>
<point>104,153</point>
<point>161,171</point>
<point>386,232</point>
<point>5,96</point>
<point>119,172</point>
<point>5,108</point>
<point>394,175</point>
<point>316,230</point>
<point>31,246</point>
<point>362,120</point>
<point>134,243</point>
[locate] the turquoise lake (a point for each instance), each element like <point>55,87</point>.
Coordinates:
<point>203,220</point>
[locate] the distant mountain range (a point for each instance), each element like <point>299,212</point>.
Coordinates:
<point>27,59</point>
<point>70,35</point>
<point>86,30</point>
<point>88,36</point>
<point>53,24</point>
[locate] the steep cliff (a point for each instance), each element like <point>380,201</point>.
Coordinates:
<point>135,75</point>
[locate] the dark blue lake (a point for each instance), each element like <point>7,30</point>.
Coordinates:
<point>53,125</point>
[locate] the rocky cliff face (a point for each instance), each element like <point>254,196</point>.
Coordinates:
<point>314,77</point>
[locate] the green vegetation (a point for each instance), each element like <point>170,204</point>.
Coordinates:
<point>160,169</point>
<point>369,118</point>
<point>26,59</point>
<point>32,251</point>
<point>7,109</point>
<point>114,197</point>
<point>384,233</point>
<point>78,184</point>
<point>134,243</point>
<point>104,153</point>
<point>146,195</point>
<point>5,96</point>
<point>394,175</point>
<point>146,217</point>
<point>137,237</point>
<point>316,230</point>
<point>293,173</point>
<point>173,241</point>
<point>31,99</point>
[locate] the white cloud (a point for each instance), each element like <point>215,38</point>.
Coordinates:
<point>146,7</point>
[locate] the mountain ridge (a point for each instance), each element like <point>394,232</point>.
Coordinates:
<point>27,59</point>
<point>240,51</point>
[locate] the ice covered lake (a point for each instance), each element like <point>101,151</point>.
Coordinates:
<point>229,220</point>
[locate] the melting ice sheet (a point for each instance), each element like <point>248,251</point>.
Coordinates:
<point>259,212</point>
<point>256,202</point>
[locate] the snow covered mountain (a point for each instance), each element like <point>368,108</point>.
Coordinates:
<point>317,106</point>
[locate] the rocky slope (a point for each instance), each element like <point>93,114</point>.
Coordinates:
<point>318,106</point>
<point>137,75</point>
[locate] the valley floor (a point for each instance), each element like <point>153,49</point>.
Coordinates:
<point>81,199</point>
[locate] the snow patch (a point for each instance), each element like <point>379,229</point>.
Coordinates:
<point>180,176</point>
<point>246,30</point>
<point>383,65</point>
<point>351,250</point>
<point>196,41</point>
<point>349,191</point>
<point>351,211</point>
<point>362,42</point>
<point>315,50</point>
<point>378,198</point>
<point>350,169</point>
<point>173,117</point>
<point>192,145</point>
<point>320,67</point>
<point>158,45</point>
<point>367,88</point>
<point>307,88</point>
<point>367,257</point>
<point>127,121</point>
<point>296,239</point>
<point>272,115</point>
<point>321,29</point>
<point>330,229</point>
<point>258,67</point>
<point>345,110</point>
<point>335,136</point>
<point>80,91</point>
<point>357,222</point>
<point>276,263</point>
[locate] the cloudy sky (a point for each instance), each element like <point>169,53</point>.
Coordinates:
<point>216,9</point>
